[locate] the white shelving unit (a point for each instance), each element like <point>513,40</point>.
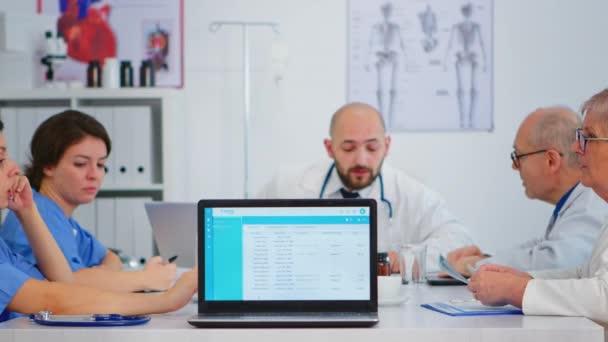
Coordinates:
<point>147,128</point>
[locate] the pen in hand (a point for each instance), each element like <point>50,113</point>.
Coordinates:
<point>172,259</point>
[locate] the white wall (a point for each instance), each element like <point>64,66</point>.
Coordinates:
<point>17,6</point>
<point>546,52</point>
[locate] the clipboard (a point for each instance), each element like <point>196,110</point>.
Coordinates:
<point>471,308</point>
<point>94,320</point>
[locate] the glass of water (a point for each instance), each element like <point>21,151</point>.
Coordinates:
<point>412,263</point>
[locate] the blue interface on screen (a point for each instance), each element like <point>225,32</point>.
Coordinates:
<point>287,253</point>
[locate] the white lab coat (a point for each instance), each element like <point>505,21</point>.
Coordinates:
<point>568,240</point>
<point>580,291</point>
<point>419,214</point>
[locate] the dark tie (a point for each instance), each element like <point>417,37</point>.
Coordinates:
<point>347,194</point>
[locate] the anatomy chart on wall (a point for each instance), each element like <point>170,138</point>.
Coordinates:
<point>129,30</point>
<point>426,65</point>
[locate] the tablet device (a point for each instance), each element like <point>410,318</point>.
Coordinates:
<point>435,280</point>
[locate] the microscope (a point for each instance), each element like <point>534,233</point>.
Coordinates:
<point>55,53</point>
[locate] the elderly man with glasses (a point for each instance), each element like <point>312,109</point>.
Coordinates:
<point>579,291</point>
<point>549,170</point>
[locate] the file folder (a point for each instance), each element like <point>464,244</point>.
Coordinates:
<point>105,216</point>
<point>125,236</point>
<point>133,232</point>
<point>141,123</point>
<point>122,139</point>
<point>143,242</point>
<point>133,141</point>
<point>85,216</point>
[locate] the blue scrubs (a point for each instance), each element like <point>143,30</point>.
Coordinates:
<point>15,271</point>
<point>80,248</point>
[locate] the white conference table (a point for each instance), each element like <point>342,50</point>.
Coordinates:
<point>401,323</point>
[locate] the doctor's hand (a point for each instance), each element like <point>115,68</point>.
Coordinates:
<point>158,274</point>
<point>493,285</point>
<point>505,269</point>
<point>461,258</point>
<point>466,265</point>
<point>463,252</point>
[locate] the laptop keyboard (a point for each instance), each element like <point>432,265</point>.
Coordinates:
<point>287,316</point>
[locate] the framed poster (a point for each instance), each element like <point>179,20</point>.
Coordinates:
<point>130,30</point>
<point>426,65</point>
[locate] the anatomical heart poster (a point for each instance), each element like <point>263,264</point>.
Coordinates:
<point>129,30</point>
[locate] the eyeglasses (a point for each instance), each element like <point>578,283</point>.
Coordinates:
<point>516,157</point>
<point>582,139</point>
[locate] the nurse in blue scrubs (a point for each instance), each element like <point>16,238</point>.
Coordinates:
<point>68,154</point>
<point>22,285</point>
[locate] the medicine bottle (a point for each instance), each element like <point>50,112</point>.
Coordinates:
<point>146,74</point>
<point>94,74</point>
<point>126,74</point>
<point>384,265</point>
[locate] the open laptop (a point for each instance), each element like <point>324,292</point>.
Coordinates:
<point>174,225</point>
<point>286,263</point>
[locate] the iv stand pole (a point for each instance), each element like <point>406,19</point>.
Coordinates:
<point>245,25</point>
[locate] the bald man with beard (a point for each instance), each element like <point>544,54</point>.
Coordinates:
<point>408,211</point>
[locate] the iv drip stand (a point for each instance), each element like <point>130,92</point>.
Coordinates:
<point>245,25</point>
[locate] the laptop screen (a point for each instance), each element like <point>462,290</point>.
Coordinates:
<point>318,253</point>
<point>260,251</point>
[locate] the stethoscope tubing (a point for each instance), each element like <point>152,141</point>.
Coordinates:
<point>382,198</point>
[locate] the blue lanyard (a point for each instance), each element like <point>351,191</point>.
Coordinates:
<point>382,198</point>
<point>561,202</point>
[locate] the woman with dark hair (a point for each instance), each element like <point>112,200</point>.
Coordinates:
<point>23,288</point>
<point>67,167</point>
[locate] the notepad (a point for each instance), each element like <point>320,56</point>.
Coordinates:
<point>471,308</point>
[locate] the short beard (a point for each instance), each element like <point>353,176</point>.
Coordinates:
<point>346,181</point>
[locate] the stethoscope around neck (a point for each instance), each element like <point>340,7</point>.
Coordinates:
<point>382,198</point>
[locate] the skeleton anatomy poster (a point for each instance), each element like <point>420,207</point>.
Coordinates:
<point>424,64</point>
